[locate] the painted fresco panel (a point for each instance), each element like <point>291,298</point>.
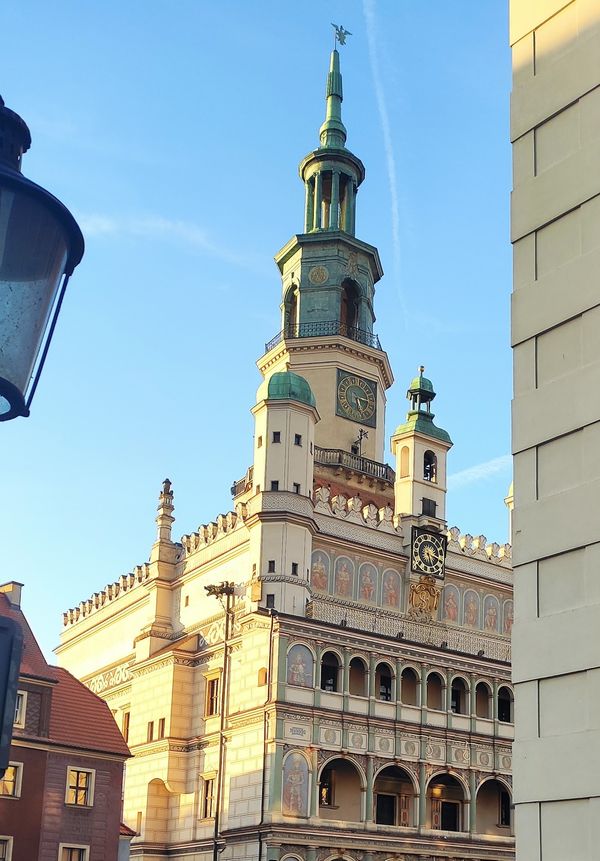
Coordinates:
<point>319,572</point>
<point>294,801</point>
<point>471,609</point>
<point>450,603</point>
<point>491,614</point>
<point>367,583</point>
<point>391,589</point>
<point>344,577</point>
<point>300,666</point>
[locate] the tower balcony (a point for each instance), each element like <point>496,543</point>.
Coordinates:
<point>322,329</point>
<point>356,463</point>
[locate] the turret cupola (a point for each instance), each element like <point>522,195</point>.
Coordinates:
<point>420,448</point>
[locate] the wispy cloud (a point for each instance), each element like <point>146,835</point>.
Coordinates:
<point>384,118</point>
<point>158,228</point>
<point>480,472</point>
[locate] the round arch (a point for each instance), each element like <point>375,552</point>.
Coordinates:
<point>413,780</point>
<point>498,778</point>
<point>349,759</point>
<point>412,667</point>
<point>450,773</point>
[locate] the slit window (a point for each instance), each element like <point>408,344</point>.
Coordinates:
<point>297,439</point>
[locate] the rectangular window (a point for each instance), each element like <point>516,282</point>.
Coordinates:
<point>311,448</point>
<point>161,728</point>
<point>276,436</point>
<point>297,439</point>
<point>428,507</point>
<point>212,697</point>
<point>450,818</point>
<point>296,487</point>
<point>126,719</point>
<point>20,708</point>
<point>73,853</point>
<point>80,787</point>
<point>274,485</point>
<point>208,792</point>
<point>504,813</point>
<point>6,848</point>
<point>385,809</point>
<point>271,566</point>
<point>294,569</point>
<point>10,784</point>
<point>150,731</point>
<point>270,601</point>
<point>259,442</point>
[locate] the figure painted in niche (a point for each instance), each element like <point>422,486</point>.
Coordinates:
<point>490,613</point>
<point>295,786</point>
<point>300,667</point>
<point>451,604</point>
<point>368,581</point>
<point>343,579</point>
<point>508,617</point>
<point>318,577</point>
<point>471,613</point>
<point>391,589</point>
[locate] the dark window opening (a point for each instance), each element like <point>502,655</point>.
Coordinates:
<point>270,600</point>
<point>296,487</point>
<point>385,809</point>
<point>207,801</point>
<point>294,569</point>
<point>271,566</point>
<point>428,507</point>
<point>450,816</point>
<point>126,719</point>
<point>429,466</point>
<point>150,731</point>
<point>297,439</point>
<point>212,697</point>
<point>276,436</point>
<point>504,818</point>
<point>329,673</point>
<point>504,706</point>
<point>274,485</point>
<point>161,728</point>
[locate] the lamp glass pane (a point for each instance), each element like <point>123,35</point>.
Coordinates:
<point>33,253</point>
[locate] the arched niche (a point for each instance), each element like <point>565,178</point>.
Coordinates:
<point>494,808</point>
<point>409,687</point>
<point>330,672</point>
<point>446,803</point>
<point>358,678</point>
<point>394,794</point>
<point>340,790</point>
<point>430,466</point>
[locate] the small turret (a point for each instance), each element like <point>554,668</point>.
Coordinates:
<point>420,448</point>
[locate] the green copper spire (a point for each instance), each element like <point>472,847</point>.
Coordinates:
<point>333,131</point>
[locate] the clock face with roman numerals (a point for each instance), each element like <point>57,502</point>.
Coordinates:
<point>356,399</point>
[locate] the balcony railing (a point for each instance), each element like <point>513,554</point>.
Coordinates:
<point>323,329</point>
<point>346,460</point>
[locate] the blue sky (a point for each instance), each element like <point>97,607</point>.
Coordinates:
<point>173,132</point>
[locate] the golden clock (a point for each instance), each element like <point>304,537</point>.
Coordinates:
<point>428,552</point>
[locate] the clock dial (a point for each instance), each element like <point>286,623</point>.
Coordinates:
<point>356,399</point>
<point>428,553</point>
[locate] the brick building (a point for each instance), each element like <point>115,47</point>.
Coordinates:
<point>60,798</point>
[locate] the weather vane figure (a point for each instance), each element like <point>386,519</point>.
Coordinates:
<point>340,35</point>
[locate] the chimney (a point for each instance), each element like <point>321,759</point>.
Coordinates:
<point>12,590</point>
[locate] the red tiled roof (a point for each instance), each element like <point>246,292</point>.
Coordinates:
<point>126,831</point>
<point>33,662</point>
<point>81,719</point>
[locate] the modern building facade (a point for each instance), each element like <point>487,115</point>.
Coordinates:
<point>60,797</point>
<point>555,130</point>
<point>324,671</point>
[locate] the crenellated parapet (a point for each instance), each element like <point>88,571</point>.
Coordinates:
<point>211,532</point>
<point>353,509</point>
<point>125,583</point>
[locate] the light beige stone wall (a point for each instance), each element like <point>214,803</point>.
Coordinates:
<point>555,129</point>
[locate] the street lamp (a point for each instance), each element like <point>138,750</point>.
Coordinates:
<point>40,246</point>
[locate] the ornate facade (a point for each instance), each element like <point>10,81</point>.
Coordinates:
<point>324,671</point>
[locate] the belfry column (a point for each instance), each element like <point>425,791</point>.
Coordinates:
<point>318,201</point>
<point>335,200</point>
<point>309,206</point>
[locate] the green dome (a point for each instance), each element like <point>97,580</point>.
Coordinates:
<point>286,385</point>
<point>421,383</point>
